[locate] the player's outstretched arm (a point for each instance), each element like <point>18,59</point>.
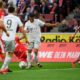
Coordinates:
<point>52,24</point>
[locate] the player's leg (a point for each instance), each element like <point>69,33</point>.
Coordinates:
<point>30,47</point>
<point>2,46</point>
<point>36,47</point>
<point>7,60</point>
<point>10,46</point>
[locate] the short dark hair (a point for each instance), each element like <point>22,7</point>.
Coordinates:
<point>1,4</point>
<point>31,15</point>
<point>11,9</point>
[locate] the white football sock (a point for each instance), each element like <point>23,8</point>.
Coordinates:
<point>29,59</point>
<point>6,62</point>
<point>36,58</point>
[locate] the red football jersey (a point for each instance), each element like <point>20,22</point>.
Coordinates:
<point>20,51</point>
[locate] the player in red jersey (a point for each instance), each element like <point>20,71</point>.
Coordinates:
<point>2,14</point>
<point>20,50</point>
<point>77,17</point>
<point>2,27</point>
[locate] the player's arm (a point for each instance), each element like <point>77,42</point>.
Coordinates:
<point>22,29</point>
<point>51,24</point>
<point>24,34</point>
<point>42,23</point>
<point>64,22</point>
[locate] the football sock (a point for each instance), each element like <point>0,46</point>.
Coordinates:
<point>6,62</point>
<point>36,58</point>
<point>29,59</point>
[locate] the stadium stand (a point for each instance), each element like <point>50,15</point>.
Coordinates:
<point>51,10</point>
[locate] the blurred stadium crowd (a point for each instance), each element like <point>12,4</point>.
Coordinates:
<point>47,10</point>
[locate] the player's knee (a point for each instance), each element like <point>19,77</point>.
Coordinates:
<point>29,51</point>
<point>36,51</point>
<point>10,54</point>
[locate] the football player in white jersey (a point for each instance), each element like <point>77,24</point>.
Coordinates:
<point>32,26</point>
<point>11,23</point>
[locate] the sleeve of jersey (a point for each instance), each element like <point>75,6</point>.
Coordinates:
<point>19,22</point>
<point>41,23</point>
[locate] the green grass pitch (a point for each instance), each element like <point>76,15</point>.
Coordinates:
<point>49,71</point>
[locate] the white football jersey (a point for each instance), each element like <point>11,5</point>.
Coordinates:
<point>11,23</point>
<point>33,29</point>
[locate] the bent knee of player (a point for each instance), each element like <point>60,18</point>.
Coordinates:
<point>29,51</point>
<point>10,54</point>
<point>36,51</point>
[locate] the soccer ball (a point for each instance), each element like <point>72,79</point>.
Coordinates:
<point>22,64</point>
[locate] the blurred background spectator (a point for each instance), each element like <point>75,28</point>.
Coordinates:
<point>44,9</point>
<point>48,10</point>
